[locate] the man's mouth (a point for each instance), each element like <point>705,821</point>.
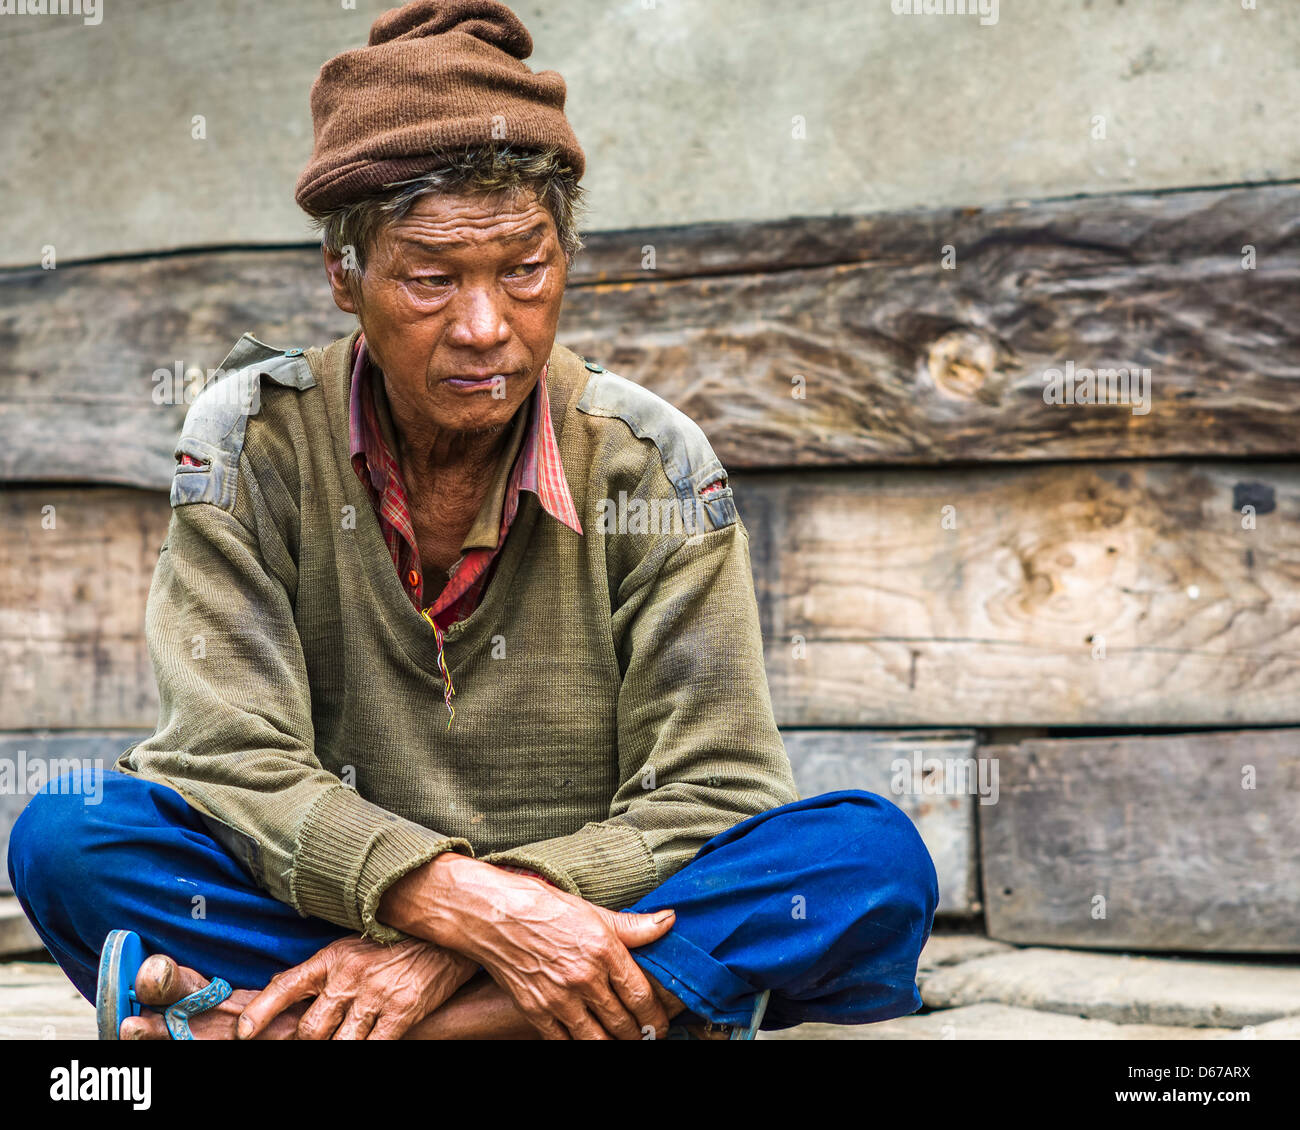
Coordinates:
<point>471,382</point>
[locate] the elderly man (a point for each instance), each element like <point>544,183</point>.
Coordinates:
<point>464,726</point>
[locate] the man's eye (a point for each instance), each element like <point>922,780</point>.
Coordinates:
<point>530,267</point>
<point>431,280</point>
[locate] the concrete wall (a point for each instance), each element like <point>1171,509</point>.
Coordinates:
<point>686,108</point>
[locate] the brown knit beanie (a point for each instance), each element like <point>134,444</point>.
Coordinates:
<point>437,74</point>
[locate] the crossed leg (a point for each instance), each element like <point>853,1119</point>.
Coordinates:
<point>826,902</point>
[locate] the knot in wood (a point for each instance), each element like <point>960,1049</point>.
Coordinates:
<point>961,361</point>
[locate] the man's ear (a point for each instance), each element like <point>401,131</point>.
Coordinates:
<point>343,274</point>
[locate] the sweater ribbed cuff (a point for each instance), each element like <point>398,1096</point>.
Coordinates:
<point>610,865</point>
<point>350,852</point>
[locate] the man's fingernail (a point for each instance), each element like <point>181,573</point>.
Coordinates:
<point>663,916</point>
<point>244,1028</point>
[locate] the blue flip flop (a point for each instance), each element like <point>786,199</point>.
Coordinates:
<point>115,999</point>
<point>756,1019</point>
<point>697,1029</point>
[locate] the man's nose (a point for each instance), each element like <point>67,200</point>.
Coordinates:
<point>477,319</point>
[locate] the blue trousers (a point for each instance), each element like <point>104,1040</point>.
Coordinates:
<point>826,902</point>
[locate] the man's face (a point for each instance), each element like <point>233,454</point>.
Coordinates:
<point>459,302</point>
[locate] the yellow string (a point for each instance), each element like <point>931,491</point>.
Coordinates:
<point>447,689</point>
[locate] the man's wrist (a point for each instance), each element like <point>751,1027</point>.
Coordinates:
<point>441,901</point>
<point>445,900</point>
<point>528,872</point>
<point>417,903</point>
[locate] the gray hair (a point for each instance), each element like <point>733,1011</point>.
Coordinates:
<point>487,170</point>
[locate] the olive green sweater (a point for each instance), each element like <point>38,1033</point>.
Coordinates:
<point>612,711</point>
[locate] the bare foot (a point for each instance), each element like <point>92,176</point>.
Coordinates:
<point>161,982</point>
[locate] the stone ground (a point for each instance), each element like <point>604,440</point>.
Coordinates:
<point>973,988</point>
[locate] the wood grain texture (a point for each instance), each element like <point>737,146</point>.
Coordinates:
<point>903,361</point>
<point>1089,594</point>
<point>81,347</point>
<point>827,761</point>
<point>1160,828</point>
<point>908,362</point>
<point>1092,594</point>
<point>72,600</point>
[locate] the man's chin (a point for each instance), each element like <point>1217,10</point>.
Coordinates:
<point>473,412</point>
<point>473,426</point>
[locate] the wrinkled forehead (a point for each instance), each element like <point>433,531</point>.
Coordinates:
<point>454,222</point>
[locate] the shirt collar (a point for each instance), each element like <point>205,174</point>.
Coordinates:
<point>485,533</point>
<point>530,460</point>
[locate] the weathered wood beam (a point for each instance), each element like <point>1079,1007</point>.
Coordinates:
<point>1161,594</point>
<point>900,361</point>
<point>1137,227</point>
<point>74,579</point>
<point>1182,842</point>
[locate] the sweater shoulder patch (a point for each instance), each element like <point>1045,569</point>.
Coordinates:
<point>695,472</point>
<point>212,438</point>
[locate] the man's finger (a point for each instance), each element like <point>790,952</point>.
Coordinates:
<point>289,987</point>
<point>581,1025</point>
<point>392,1025</point>
<point>615,1017</point>
<point>548,1026</point>
<point>635,930</point>
<point>633,987</point>
<point>357,1024</point>
<point>322,1019</point>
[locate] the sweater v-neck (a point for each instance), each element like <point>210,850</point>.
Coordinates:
<point>485,530</point>
<point>411,629</point>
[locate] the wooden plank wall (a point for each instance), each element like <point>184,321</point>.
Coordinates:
<point>1184,841</point>
<point>898,360</point>
<point>938,550</point>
